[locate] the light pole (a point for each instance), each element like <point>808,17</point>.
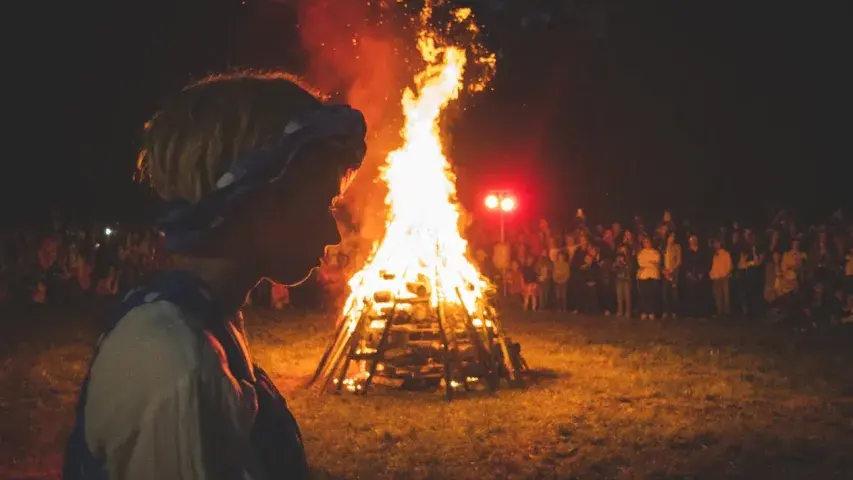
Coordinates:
<point>503,202</point>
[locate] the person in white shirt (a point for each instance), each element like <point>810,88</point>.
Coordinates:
<point>250,164</point>
<point>648,276</point>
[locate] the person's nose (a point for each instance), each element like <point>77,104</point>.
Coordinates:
<point>331,233</point>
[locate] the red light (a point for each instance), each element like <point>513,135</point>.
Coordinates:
<point>507,204</point>
<point>492,202</point>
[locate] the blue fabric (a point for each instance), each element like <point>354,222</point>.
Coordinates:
<point>187,224</point>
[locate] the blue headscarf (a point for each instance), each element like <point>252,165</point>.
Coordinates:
<point>186,224</point>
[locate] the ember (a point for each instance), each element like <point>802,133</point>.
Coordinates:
<point>419,311</point>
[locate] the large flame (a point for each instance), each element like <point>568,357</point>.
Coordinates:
<point>422,243</point>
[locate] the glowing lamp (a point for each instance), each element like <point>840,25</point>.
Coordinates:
<point>492,202</point>
<point>507,204</point>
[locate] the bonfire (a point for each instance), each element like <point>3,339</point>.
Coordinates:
<point>419,312</point>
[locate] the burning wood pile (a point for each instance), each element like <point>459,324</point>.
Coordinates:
<point>419,312</point>
<point>414,343</point>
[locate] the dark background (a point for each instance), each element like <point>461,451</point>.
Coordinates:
<point>720,109</point>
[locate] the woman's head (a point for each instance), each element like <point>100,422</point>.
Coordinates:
<point>693,241</point>
<point>224,124</point>
<point>647,243</point>
<point>202,131</point>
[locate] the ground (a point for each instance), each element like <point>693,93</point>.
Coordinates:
<point>614,398</point>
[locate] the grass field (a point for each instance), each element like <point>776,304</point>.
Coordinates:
<point>617,399</point>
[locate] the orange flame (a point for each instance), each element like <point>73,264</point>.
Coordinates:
<point>422,242</point>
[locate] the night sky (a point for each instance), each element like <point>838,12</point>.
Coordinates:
<point>721,109</point>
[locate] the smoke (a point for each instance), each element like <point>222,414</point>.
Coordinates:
<point>364,52</point>
<point>358,51</point>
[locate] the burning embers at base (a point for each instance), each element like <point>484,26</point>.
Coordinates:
<point>419,341</point>
<point>418,312</point>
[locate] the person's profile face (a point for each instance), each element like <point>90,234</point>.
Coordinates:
<point>294,222</point>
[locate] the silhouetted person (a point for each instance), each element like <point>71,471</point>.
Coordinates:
<point>250,165</point>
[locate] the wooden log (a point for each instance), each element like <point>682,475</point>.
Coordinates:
<point>484,356</point>
<point>353,346</point>
<point>337,357</point>
<point>380,349</point>
<point>338,329</point>
<point>448,388</point>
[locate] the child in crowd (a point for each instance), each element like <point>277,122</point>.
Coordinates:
<point>623,267</point>
<point>531,285</point>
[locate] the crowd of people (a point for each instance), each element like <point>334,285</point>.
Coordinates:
<point>71,265</point>
<point>783,271</point>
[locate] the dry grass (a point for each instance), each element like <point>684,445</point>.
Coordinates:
<point>620,399</point>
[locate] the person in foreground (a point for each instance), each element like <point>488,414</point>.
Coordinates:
<point>250,165</point>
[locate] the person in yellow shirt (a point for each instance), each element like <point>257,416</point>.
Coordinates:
<point>721,272</point>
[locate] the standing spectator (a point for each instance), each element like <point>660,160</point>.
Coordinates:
<point>606,287</point>
<point>108,285</point>
<point>561,280</point>
<point>576,262</point>
<point>793,262</point>
<point>531,285</point>
<point>623,267</point>
<point>695,268</point>
<point>753,275</point>
<point>515,283</point>
<point>280,295</point>
<point>544,269</point>
<point>848,271</point>
<point>589,275</point>
<point>820,266</point>
<point>648,276</point>
<point>773,278</point>
<point>721,272</point>
<point>671,270</point>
